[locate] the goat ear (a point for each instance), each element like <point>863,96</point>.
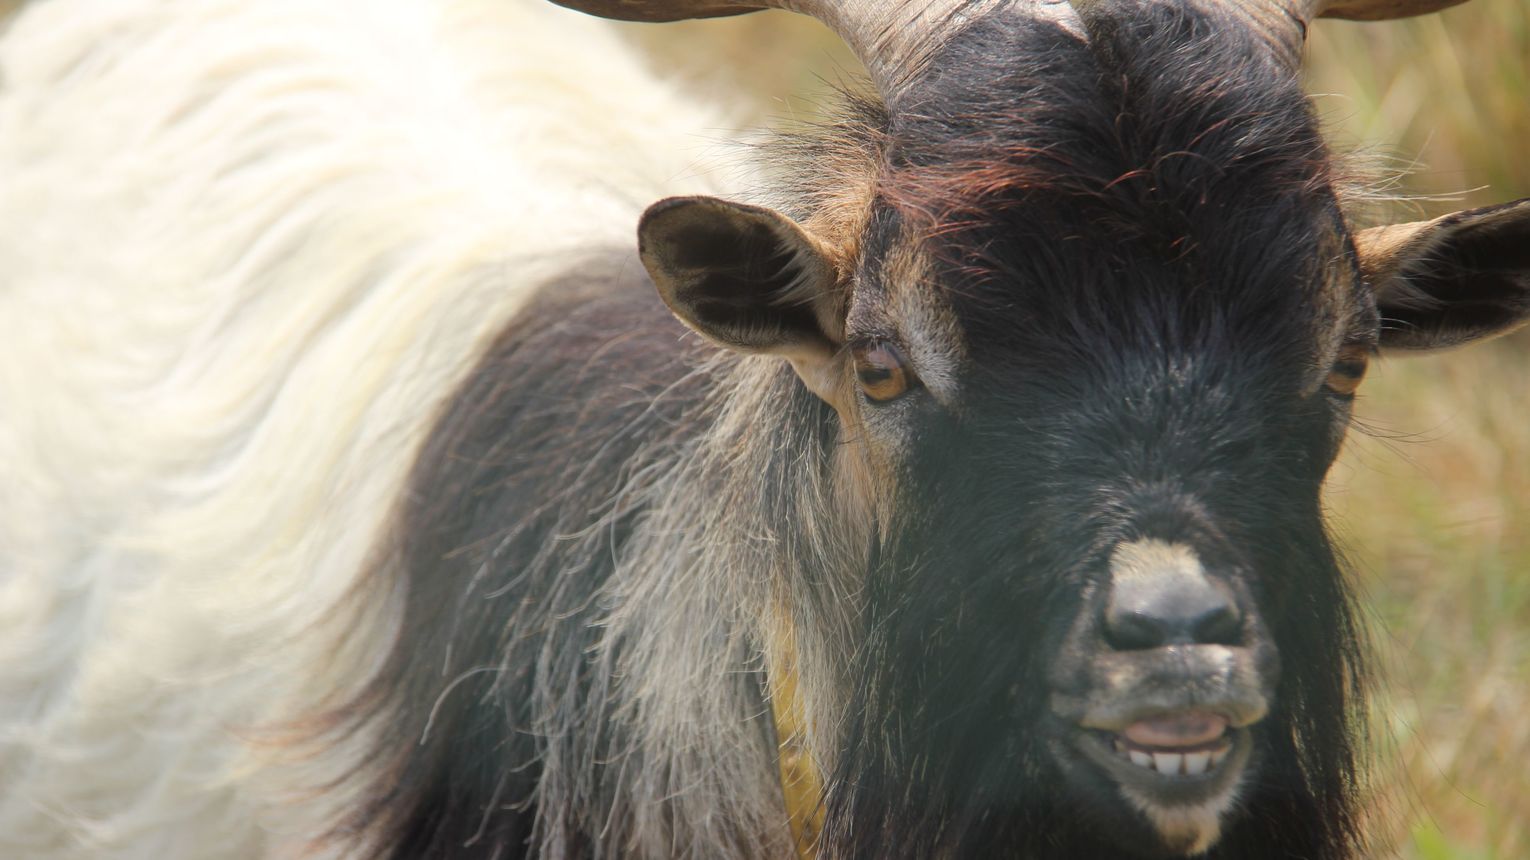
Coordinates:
<point>1450,281</point>
<point>744,277</point>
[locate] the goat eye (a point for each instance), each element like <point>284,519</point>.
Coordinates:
<point>1348,370</point>
<point>882,371</point>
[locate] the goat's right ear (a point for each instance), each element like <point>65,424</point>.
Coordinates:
<point>1459,278</point>
<point>744,277</point>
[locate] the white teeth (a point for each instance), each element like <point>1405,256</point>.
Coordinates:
<point>1174,764</point>
<point>1167,763</point>
<point>1195,763</point>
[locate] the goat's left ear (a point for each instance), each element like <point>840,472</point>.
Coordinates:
<point>1450,281</point>
<point>746,278</point>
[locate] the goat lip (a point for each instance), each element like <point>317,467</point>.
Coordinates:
<point>1184,730</point>
<point>1159,722</point>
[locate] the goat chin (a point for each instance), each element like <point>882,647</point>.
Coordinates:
<point>248,248</point>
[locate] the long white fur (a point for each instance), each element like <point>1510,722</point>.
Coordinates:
<point>246,248</point>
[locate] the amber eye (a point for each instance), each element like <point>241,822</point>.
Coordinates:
<point>1348,370</point>
<point>883,372</point>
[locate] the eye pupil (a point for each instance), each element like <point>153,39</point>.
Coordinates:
<point>882,371</point>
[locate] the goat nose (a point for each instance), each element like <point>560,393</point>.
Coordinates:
<point>1169,600</point>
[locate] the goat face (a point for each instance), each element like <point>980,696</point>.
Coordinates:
<point>1092,347</point>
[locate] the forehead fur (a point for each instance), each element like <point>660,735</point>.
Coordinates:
<point>1168,171</point>
<point>1168,144</point>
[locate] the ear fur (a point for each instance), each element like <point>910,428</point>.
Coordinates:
<point>1450,281</point>
<point>747,278</point>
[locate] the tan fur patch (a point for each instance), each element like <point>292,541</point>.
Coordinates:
<point>923,317</point>
<point>801,777</point>
<point>839,220</point>
<point>1383,250</point>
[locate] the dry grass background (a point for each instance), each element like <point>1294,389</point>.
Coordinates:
<point>1433,499</point>
<point>1432,496</point>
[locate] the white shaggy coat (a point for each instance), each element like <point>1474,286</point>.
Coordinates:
<point>246,248</point>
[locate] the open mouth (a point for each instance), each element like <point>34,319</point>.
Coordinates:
<point>1188,744</point>
<point>1181,770</point>
<point>1175,758</point>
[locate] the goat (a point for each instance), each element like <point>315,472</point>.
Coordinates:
<point>367,493</point>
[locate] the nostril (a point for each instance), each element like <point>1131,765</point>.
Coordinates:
<point>1154,611</point>
<point>1220,625</point>
<point>1134,631</point>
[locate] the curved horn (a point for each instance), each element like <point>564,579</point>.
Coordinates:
<point>1377,10</point>
<point>1284,22</point>
<point>892,38</point>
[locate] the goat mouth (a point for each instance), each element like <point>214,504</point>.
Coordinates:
<point>1171,759</point>
<point>1191,744</point>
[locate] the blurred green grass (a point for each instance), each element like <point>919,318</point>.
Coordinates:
<point>1432,495</point>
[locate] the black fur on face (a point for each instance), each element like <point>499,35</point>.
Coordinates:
<point>1141,246</point>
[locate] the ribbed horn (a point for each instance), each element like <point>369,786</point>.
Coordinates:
<point>1284,22</point>
<point>892,38</point>
<point>1377,10</point>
